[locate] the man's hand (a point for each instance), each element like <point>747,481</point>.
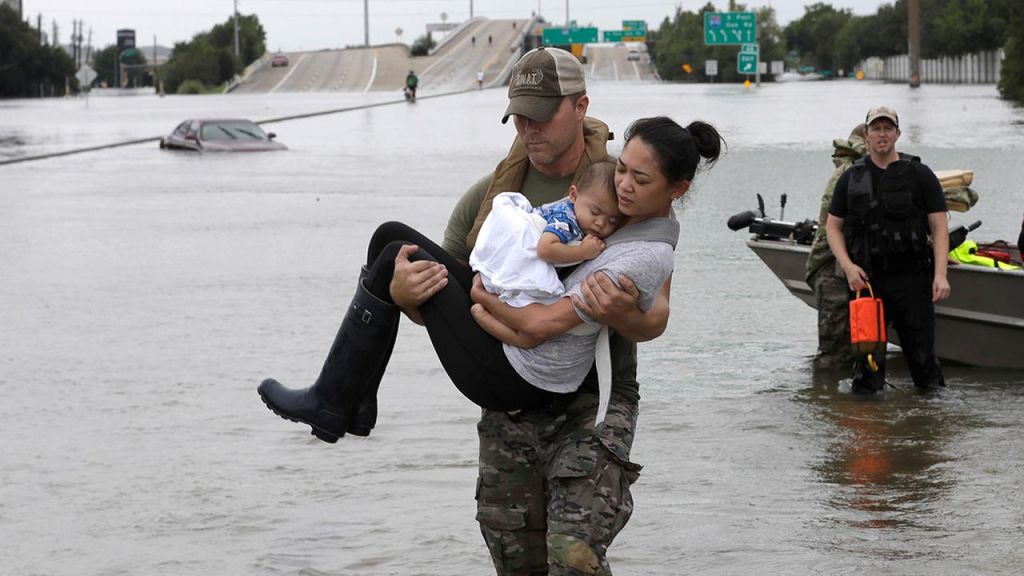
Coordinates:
<point>591,246</point>
<point>414,282</point>
<point>605,302</point>
<point>856,277</point>
<point>940,288</point>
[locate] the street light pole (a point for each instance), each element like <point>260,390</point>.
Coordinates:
<point>914,41</point>
<point>366,23</point>
<point>236,29</point>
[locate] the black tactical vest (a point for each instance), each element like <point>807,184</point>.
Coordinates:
<point>887,225</point>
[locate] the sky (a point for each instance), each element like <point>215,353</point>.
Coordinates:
<point>295,25</point>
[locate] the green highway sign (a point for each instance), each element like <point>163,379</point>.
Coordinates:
<point>639,25</point>
<point>746,63</point>
<point>730,28</point>
<point>569,35</point>
<point>749,49</point>
<point>623,36</point>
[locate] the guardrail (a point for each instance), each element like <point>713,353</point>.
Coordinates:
<point>978,68</point>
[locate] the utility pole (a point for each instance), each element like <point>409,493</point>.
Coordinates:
<point>470,9</point>
<point>567,21</point>
<point>366,23</point>
<point>236,30</point>
<point>914,34</point>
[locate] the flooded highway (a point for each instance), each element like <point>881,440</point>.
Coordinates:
<point>146,293</point>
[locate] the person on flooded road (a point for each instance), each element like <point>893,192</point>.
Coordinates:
<point>887,226</point>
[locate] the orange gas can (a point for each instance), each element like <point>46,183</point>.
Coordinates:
<point>867,327</point>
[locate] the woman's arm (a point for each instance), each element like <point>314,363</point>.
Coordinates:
<point>617,308</point>
<point>534,321</point>
<point>495,328</point>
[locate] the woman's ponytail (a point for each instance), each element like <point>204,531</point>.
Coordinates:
<point>679,150</point>
<point>708,141</point>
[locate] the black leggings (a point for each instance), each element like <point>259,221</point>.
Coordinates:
<point>473,359</point>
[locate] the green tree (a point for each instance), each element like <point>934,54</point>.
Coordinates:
<point>103,64</point>
<point>1011,84</point>
<point>209,58</point>
<point>423,45</point>
<point>770,35</point>
<point>132,67</point>
<point>967,26</point>
<point>252,39</point>
<point>679,42</point>
<point>28,68</point>
<point>196,60</point>
<point>813,36</point>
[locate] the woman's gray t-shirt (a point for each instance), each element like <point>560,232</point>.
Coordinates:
<point>560,363</point>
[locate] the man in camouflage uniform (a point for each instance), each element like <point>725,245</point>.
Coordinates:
<point>823,274</point>
<point>553,489</point>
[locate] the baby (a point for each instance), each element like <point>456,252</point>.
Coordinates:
<point>519,246</point>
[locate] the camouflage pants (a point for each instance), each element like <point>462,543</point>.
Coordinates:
<point>553,490</point>
<point>832,295</point>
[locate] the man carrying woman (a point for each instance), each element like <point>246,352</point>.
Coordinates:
<point>553,489</point>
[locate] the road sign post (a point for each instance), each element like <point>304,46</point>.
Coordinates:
<point>711,68</point>
<point>731,28</point>
<point>562,36</point>
<point>617,36</point>
<point>724,28</point>
<point>746,63</point>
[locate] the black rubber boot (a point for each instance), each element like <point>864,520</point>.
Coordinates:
<point>360,349</point>
<point>364,415</point>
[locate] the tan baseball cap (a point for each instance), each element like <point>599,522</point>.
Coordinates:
<point>540,79</point>
<point>882,112</point>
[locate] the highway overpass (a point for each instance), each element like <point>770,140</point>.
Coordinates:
<point>480,44</point>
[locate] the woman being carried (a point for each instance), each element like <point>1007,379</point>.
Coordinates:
<point>657,165</point>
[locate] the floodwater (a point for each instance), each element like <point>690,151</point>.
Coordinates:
<point>145,293</point>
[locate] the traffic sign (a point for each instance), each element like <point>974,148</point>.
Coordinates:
<point>746,63</point>
<point>85,76</point>
<point>711,67</point>
<point>749,49</point>
<point>639,25</point>
<point>569,35</point>
<point>730,28</point>
<point>623,36</point>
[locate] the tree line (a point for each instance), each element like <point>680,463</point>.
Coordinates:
<point>833,41</point>
<point>28,68</point>
<point>203,64</point>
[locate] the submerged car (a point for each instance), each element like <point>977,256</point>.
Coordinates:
<point>220,135</point>
<point>278,60</point>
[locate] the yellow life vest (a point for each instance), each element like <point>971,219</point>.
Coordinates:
<point>966,253</point>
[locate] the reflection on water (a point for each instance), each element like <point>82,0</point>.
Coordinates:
<point>885,452</point>
<point>908,473</point>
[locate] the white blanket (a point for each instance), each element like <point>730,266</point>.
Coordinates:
<point>505,254</point>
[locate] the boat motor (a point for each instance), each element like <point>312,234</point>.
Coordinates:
<point>767,228</point>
